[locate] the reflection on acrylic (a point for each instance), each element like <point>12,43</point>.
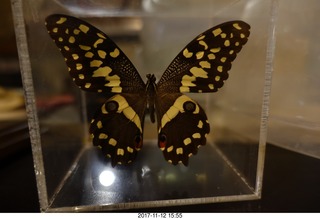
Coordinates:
<point>107,178</point>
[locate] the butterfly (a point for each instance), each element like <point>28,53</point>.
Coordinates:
<point>97,64</point>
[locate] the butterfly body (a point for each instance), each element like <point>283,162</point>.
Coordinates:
<point>97,64</point>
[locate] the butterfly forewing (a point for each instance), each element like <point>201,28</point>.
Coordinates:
<point>94,61</point>
<point>203,65</point>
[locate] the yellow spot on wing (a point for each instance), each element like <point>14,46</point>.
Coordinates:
<point>61,20</point>
<point>78,66</point>
<point>201,37</point>
<point>211,86</point>
<point>102,54</point>
<point>187,141</point>
<point>75,56</point>
<point>220,68</point>
<point>72,39</point>
<point>227,43</point>
<point>187,81</point>
<point>84,28</point>
<point>200,54</point>
<point>186,53</point>
<point>103,136</point>
<point>113,142</point>
<point>196,135</point>
<point>211,56</point>
<point>115,53</point>
<point>116,89</point>
<point>95,63</point>
<point>76,31</point>
<point>114,81</point>
<point>130,149</point>
<point>120,151</point>
<point>199,72</point>
<point>87,85</point>
<point>215,50</point>
<point>101,35</point>
<point>102,72</point>
<point>237,26</point>
<point>200,124</point>
<point>184,89</point>
<point>188,84</point>
<point>203,44</point>
<point>216,32</point>
<point>169,149</point>
<point>81,76</point>
<point>188,78</point>
<point>99,124</point>
<point>97,42</point>
<point>89,54</point>
<point>179,150</point>
<point>205,64</point>
<point>55,30</point>
<point>83,47</point>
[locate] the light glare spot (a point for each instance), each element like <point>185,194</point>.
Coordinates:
<point>107,178</point>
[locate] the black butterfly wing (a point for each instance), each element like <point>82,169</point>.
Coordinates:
<point>117,127</point>
<point>94,61</point>
<point>203,65</point>
<point>182,127</point>
<point>97,64</point>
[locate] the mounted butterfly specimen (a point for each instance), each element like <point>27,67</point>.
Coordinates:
<point>97,64</point>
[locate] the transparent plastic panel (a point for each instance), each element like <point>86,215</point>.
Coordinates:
<point>151,33</point>
<point>295,100</point>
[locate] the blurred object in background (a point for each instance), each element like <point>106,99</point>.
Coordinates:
<point>11,95</point>
<point>11,105</point>
<point>14,134</point>
<point>9,64</point>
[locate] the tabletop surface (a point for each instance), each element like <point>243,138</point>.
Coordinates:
<point>291,183</point>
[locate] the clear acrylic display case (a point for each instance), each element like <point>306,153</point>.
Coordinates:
<point>72,175</point>
<point>295,100</point>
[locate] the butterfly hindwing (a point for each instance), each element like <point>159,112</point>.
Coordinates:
<point>182,127</point>
<point>117,127</point>
<point>94,61</point>
<point>203,65</point>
